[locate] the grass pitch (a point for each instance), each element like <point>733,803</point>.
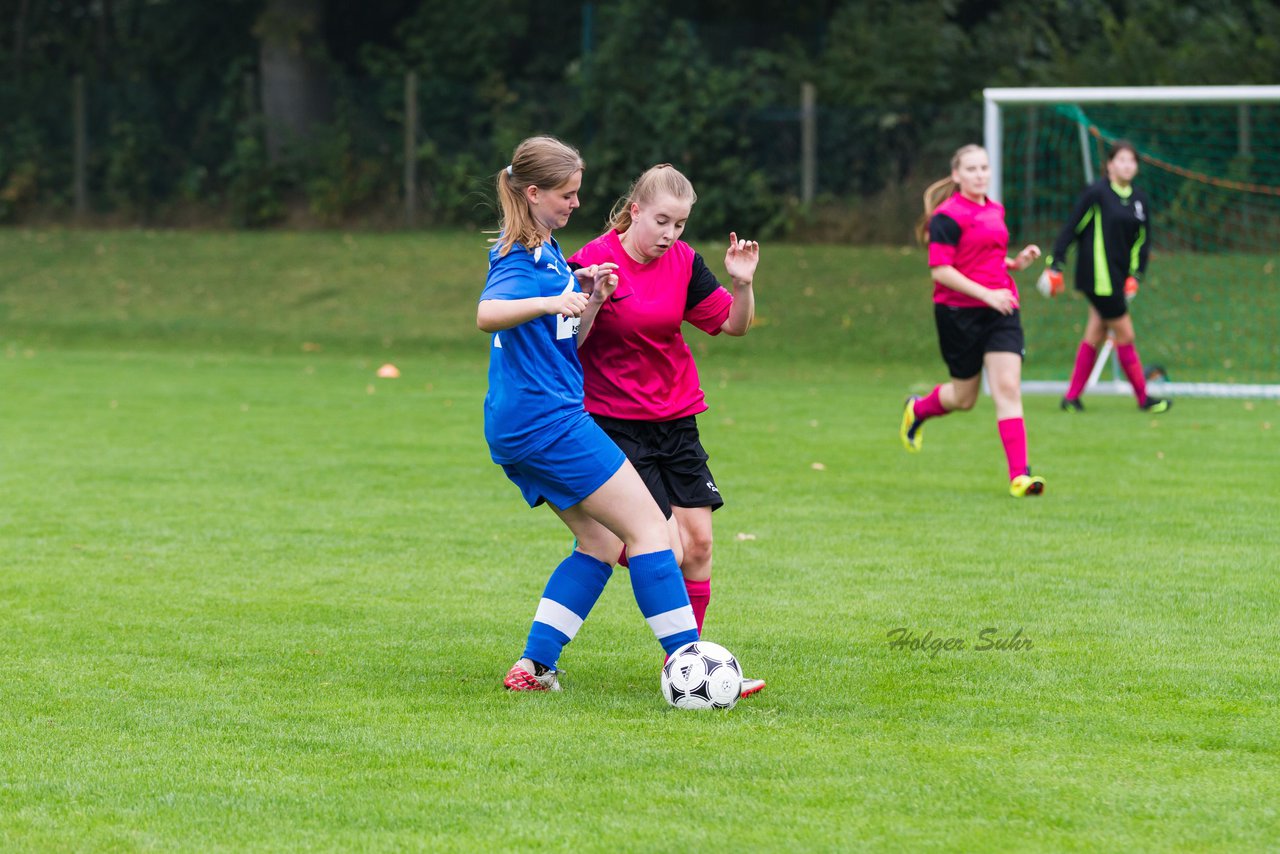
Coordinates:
<point>253,597</point>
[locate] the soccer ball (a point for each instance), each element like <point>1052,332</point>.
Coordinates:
<point>702,675</point>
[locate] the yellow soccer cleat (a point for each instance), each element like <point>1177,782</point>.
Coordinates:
<point>912,439</point>
<point>1025,484</point>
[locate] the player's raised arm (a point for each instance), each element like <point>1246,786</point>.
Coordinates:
<point>740,262</point>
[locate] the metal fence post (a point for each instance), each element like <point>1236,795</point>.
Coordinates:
<point>808,142</point>
<point>410,147</point>
<point>80,152</point>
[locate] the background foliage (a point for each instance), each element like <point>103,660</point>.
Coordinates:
<point>176,121</point>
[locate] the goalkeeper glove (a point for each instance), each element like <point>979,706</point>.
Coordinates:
<point>1130,288</point>
<point>1050,283</point>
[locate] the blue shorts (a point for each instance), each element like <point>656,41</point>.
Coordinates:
<point>568,469</point>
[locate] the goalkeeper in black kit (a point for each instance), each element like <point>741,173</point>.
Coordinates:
<point>1112,223</point>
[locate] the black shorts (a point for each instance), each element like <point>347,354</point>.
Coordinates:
<point>965,335</point>
<point>670,458</point>
<point>1112,307</point>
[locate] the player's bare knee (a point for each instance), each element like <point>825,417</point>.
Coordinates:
<point>647,534</point>
<point>1008,403</point>
<point>697,558</point>
<point>602,548</point>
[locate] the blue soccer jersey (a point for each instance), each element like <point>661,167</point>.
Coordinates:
<point>535,378</point>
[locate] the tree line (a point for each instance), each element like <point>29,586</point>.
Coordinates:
<point>264,112</point>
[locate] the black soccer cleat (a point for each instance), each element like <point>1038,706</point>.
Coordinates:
<point>1156,405</point>
<point>1071,404</point>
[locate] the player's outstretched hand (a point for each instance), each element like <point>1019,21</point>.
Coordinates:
<point>741,259</point>
<point>1029,254</point>
<point>597,277</point>
<point>570,304</point>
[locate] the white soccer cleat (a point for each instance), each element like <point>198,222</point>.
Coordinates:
<point>752,686</point>
<point>523,676</point>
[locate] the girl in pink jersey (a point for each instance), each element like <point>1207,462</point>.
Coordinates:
<point>976,310</point>
<point>640,380</point>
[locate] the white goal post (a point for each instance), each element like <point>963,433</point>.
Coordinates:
<point>994,102</point>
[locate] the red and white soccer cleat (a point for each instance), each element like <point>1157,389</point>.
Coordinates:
<point>523,676</point>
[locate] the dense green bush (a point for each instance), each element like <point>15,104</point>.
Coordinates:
<point>713,87</point>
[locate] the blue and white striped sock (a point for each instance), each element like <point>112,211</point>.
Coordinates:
<point>571,592</point>
<point>662,597</point>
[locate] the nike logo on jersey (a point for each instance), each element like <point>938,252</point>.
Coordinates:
<point>617,298</point>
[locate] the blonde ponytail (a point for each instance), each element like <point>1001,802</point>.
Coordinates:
<point>540,161</point>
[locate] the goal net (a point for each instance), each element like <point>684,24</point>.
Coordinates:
<point>1208,313</point>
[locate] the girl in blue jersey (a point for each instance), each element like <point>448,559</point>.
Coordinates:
<point>539,431</point>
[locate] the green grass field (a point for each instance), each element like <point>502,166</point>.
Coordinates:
<point>254,598</point>
<point>1204,317</point>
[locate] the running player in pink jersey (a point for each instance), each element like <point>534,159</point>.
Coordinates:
<point>976,310</point>
<point>640,380</point>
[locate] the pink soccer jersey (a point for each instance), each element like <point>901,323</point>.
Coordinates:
<point>974,239</point>
<point>635,363</point>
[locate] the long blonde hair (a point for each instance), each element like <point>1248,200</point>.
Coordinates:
<point>941,190</point>
<point>663,178</point>
<point>540,161</point>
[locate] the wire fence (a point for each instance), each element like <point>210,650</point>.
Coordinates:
<point>408,151</point>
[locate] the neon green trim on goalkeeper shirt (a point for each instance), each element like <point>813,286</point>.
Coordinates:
<point>1084,220</point>
<point>1135,256</point>
<point>1101,272</point>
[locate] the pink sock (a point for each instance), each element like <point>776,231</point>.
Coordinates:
<point>1013,435</point>
<point>1085,358</point>
<point>1132,365</point>
<point>699,598</point>
<point>930,406</point>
